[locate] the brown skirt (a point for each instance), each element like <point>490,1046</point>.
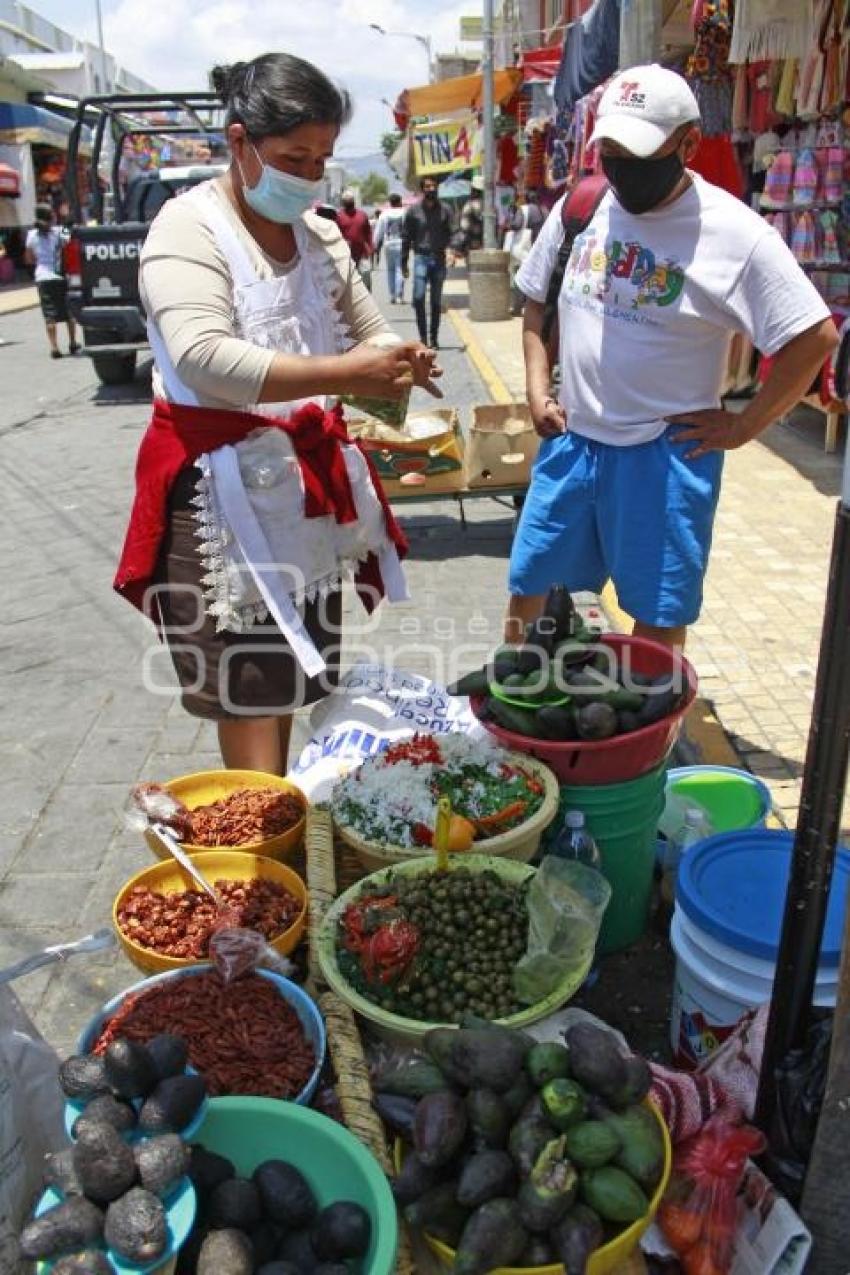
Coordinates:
<point>231,675</point>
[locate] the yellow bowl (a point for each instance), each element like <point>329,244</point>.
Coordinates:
<point>216,865</point>
<point>211,785</point>
<point>608,1259</point>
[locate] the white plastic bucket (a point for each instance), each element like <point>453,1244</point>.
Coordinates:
<point>714,985</point>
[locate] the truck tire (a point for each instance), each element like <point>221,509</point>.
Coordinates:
<point>114,369</point>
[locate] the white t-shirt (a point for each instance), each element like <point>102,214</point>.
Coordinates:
<point>47,250</point>
<point>389,227</point>
<point>649,304</point>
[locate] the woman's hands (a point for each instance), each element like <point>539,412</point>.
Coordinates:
<point>373,372</point>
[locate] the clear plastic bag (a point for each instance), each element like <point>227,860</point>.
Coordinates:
<point>566,904</point>
<point>236,952</point>
<point>699,1214</point>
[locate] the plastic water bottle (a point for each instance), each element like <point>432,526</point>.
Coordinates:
<point>575,842</point>
<point>695,828</point>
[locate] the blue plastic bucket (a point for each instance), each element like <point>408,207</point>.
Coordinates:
<point>730,902</point>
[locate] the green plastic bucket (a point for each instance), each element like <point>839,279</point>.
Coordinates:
<point>732,799</point>
<point>623,820</point>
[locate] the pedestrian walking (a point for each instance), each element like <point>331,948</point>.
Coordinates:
<point>627,479</point>
<point>357,232</point>
<point>472,218</point>
<point>388,240</point>
<point>426,232</point>
<point>44,245</point>
<point>251,505</point>
<point>526,224</point>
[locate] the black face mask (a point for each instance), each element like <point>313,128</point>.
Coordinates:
<point>641,184</point>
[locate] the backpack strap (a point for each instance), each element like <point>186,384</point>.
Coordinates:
<point>576,213</point>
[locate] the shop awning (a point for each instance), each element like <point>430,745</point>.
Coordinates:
<point>10,182</point>
<point>538,66</point>
<point>23,122</point>
<point>462,93</point>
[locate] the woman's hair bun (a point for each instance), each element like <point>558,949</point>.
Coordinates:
<point>226,79</point>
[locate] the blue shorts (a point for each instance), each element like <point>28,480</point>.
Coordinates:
<point>640,516</point>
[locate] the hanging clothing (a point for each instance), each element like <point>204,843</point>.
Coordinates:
<point>771,30</point>
<point>591,53</point>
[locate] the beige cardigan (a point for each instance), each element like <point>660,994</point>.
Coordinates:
<point>187,289</point>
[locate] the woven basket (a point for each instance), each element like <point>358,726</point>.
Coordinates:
<point>345,1047</point>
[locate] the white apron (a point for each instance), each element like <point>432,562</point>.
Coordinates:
<point>261,555</point>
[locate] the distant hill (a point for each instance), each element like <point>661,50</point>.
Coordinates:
<point>359,166</point>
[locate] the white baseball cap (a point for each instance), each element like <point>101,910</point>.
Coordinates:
<point>642,107</point>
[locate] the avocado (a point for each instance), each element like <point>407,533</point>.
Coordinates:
<point>413,1180</point>
<point>627,722</point>
<point>135,1226</point>
<point>103,1162</point>
<point>637,1083</point>
<point>538,1252</point>
<point>547,1061</point>
<point>343,1229</point>
<point>66,1228</point>
<point>130,1069</point>
<point>527,1139</point>
<point>475,683</point>
<point>161,1162</point>
<point>596,1060</point>
<point>297,1247</point>
<point>556,722</point>
<point>278,1267</point>
<point>90,1262</point>
<point>207,1169</point>
<point>575,1237</point>
<point>438,1212</point>
<point>397,1113</point>
<point>564,1102</point>
<point>504,662</point>
<point>285,1194</point>
<point>106,1109</point>
<point>592,1144</point>
<point>265,1238</point>
<point>560,610</point>
<point>170,1055</point>
<point>596,721</point>
<point>486,1175</point>
<point>657,705</point>
<point>518,1095</point>
<point>520,721</point>
<point>412,1079</point>
<point>236,1205</point>
<point>548,1192</point>
<point>491,1057</point>
<point>83,1076</point>
<point>641,1154</point>
<point>173,1104</point>
<point>59,1172</point>
<point>613,1194</point>
<point>493,1236</point>
<point>489,1117</point>
<point>226,1252</point>
<point>332,1268</point>
<point>439,1127</point>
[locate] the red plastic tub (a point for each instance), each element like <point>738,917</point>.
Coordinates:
<point>613,761</point>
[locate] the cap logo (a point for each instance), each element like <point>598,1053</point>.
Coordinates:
<point>631,96</point>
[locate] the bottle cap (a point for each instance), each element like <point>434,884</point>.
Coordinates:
<point>575,819</point>
<point>693,817</point>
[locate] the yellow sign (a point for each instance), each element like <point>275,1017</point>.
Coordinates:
<point>472,28</point>
<point>443,146</point>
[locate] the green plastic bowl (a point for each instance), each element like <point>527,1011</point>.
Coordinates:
<point>337,1166</point>
<point>411,1030</point>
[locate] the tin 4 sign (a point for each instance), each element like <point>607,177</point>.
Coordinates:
<point>443,146</point>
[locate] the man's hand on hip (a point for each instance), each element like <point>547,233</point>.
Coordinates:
<point>548,416</point>
<point>711,430</point>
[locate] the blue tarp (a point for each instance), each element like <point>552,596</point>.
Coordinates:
<point>37,124</point>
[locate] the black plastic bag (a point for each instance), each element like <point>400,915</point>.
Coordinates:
<point>800,1088</point>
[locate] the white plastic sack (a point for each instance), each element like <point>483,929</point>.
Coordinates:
<point>372,707</point>
<point>30,1121</point>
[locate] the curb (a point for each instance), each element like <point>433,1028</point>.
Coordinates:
<point>13,305</point>
<point>496,387</point>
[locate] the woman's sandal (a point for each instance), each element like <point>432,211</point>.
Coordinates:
<point>73,348</point>
<point>56,354</point>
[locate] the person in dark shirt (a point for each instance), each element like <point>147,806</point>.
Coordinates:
<point>426,232</point>
<point>357,232</point>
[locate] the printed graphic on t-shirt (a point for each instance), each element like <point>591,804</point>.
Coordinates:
<point>621,279</point>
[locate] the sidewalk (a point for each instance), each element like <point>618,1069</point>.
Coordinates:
<point>19,296</point>
<point>756,645</point>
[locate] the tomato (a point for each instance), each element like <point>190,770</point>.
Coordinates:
<point>700,1260</point>
<point>461,834</point>
<point>681,1227</point>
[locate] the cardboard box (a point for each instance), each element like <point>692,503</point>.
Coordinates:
<point>501,447</point>
<point>426,457</point>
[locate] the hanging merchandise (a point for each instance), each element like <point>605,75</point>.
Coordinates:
<point>805,179</point>
<point>707,69</point>
<point>771,29</point>
<point>591,53</point>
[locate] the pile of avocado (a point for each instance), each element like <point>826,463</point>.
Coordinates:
<point>268,1224</point>
<point>114,1193</point>
<point>520,1153</point>
<point>564,684</point>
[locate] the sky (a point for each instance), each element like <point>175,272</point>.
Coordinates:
<point>173,43</point>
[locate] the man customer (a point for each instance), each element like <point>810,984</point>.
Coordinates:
<point>357,232</point>
<point>627,478</point>
<point>388,237</point>
<point>44,251</point>
<point>426,231</point>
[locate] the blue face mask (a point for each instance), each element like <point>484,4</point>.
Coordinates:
<point>279,196</point>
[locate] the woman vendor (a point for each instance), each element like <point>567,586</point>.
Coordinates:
<point>251,505</point>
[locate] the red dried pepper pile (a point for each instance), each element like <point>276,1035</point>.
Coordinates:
<point>243,1037</point>
<point>181,923</point>
<point>249,814</point>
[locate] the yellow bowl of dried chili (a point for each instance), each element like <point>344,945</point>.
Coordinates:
<point>246,808</point>
<point>150,929</point>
